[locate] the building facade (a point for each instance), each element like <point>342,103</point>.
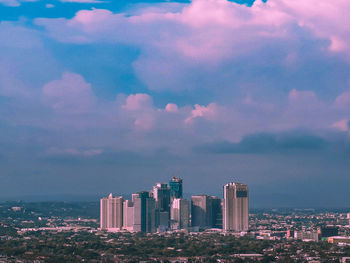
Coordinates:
<point>144,212</point>
<point>204,211</point>
<point>180,213</point>
<point>111,212</point>
<point>235,207</point>
<point>128,215</point>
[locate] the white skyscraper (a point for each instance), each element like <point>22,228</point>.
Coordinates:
<point>128,215</point>
<point>180,213</point>
<point>235,207</point>
<point>111,212</point>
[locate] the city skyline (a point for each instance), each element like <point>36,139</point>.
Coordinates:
<point>163,209</point>
<point>101,96</point>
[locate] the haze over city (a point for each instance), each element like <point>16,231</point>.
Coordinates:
<point>100,97</point>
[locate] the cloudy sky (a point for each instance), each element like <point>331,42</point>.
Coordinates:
<point>113,96</point>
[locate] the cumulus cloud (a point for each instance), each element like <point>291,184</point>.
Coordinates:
<point>184,48</point>
<point>171,107</point>
<point>206,112</point>
<point>226,25</point>
<point>325,19</point>
<point>138,101</point>
<point>71,94</point>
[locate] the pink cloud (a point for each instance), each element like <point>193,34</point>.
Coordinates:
<point>209,29</point>
<point>171,107</point>
<point>138,101</point>
<point>342,125</point>
<point>70,94</point>
<point>206,112</point>
<point>326,19</point>
<point>144,122</point>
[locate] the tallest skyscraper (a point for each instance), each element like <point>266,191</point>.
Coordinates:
<point>235,207</point>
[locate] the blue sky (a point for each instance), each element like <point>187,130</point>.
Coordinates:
<point>113,96</point>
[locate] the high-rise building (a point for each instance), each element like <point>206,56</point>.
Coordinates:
<point>205,211</point>
<point>161,193</point>
<point>235,207</point>
<point>216,220</point>
<point>199,211</point>
<point>144,212</point>
<point>175,185</point>
<point>128,215</point>
<point>180,213</point>
<point>111,212</point>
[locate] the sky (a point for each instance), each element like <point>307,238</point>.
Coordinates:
<point>113,96</point>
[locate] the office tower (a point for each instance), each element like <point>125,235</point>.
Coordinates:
<point>205,211</point>
<point>161,193</point>
<point>201,211</point>
<point>180,213</point>
<point>111,212</point>
<point>144,212</point>
<point>216,220</point>
<point>128,215</point>
<point>235,207</point>
<point>175,185</point>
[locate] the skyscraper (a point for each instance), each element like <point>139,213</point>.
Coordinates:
<point>205,210</point>
<point>175,185</point>
<point>111,212</point>
<point>144,212</point>
<point>235,207</point>
<point>161,193</point>
<point>216,204</point>
<point>180,213</point>
<point>128,215</point>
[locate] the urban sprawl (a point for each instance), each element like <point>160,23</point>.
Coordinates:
<point>162,226</point>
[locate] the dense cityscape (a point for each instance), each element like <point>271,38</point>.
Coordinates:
<point>164,208</point>
<point>174,131</point>
<point>162,226</point>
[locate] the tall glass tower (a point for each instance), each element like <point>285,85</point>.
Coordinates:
<point>175,185</point>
